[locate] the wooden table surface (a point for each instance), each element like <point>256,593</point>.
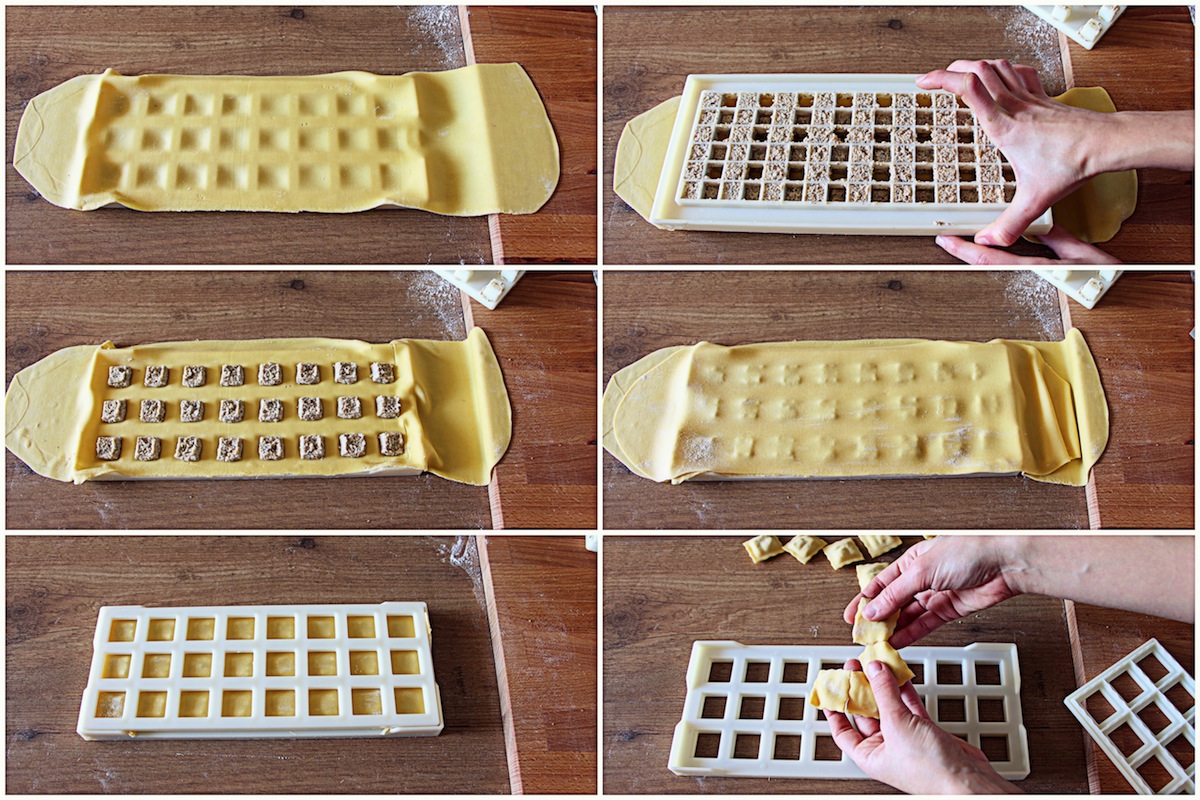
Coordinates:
<point>557,47</point>
<point>645,311</point>
<point>541,594</point>
<point>663,593</point>
<point>545,337</point>
<point>56,585</point>
<point>1138,334</point>
<point>47,46</point>
<point>48,311</point>
<point>1146,60</point>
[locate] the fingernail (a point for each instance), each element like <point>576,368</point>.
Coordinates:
<point>874,667</point>
<point>980,239</point>
<point>942,241</point>
<point>869,611</point>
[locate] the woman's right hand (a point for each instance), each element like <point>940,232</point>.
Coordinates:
<point>941,580</point>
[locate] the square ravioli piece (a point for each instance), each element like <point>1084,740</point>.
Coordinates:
<point>191,411</point>
<point>803,548</point>
<point>147,448</point>
<point>187,448</point>
<point>270,374</point>
<point>352,445</point>
<point>308,373</point>
<point>194,377</point>
<point>232,375</point>
<point>113,411</point>
<point>270,410</point>
<point>867,572</point>
<point>391,443</point>
<point>232,411</point>
<point>310,409</point>
<point>879,543</point>
<point>157,377</point>
<point>312,447</point>
<point>842,552</point>
<point>387,407</point>
<point>270,448</point>
<point>383,372</point>
<point>120,377</point>
<point>153,411</point>
<point>349,408</point>
<point>345,372</point>
<point>229,448</point>
<point>108,448</point>
<point>763,547</point>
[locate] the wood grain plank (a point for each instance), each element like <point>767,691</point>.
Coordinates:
<point>49,310</point>
<point>663,593</point>
<point>649,52</point>
<point>557,47</point>
<point>1147,63</point>
<point>50,45</point>
<point>544,333</point>
<point>541,595</point>
<point>1138,334</point>
<point>1103,637</point>
<point>645,311</point>
<point>56,585</point>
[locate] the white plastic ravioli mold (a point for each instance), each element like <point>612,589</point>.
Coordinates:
<point>1084,286</point>
<point>850,154</point>
<point>261,672</point>
<point>747,713</point>
<point>1141,711</point>
<point>485,286</point>
<point>1083,24</point>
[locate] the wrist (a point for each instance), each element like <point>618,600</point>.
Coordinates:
<point>1018,558</point>
<point>1137,139</point>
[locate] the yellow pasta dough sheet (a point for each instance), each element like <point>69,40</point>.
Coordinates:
<point>464,142</point>
<point>859,409</point>
<point>247,409</point>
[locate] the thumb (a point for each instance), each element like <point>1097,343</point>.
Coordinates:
<point>1069,248</point>
<point>1011,225</point>
<point>892,710</point>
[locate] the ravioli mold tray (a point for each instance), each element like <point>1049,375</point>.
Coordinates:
<point>747,714</point>
<point>846,154</point>
<point>261,672</point>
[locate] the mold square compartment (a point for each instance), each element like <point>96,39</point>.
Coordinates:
<point>152,704</point>
<point>160,630</point>
<point>409,701</point>
<point>281,627</point>
<point>193,704</point>
<point>122,630</point>
<point>237,703</point>
<point>281,702</point>
<point>366,701</point>
<point>239,665</point>
<point>281,664</point>
<point>197,665</point>
<point>323,702</point>
<point>156,665</point>
<point>322,663</point>
<point>364,662</point>
<point>405,662</point>
<point>321,628</point>
<point>400,627</point>
<point>115,666</point>
<point>240,628</point>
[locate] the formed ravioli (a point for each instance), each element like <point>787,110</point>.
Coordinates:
<point>803,547</point>
<point>842,553</point>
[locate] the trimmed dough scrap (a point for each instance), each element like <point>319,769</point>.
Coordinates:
<point>880,543</point>
<point>762,547</point>
<point>464,142</point>
<point>869,408</point>
<point>842,552</point>
<point>803,547</point>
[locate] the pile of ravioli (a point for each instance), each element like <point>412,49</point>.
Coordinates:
<point>843,690</point>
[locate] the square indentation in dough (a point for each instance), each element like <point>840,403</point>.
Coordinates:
<point>233,177</point>
<point>191,176</point>
<point>198,105</point>
<point>352,105</point>
<point>313,105</point>
<point>391,178</point>
<point>233,139</point>
<point>353,139</point>
<point>315,140</point>
<point>354,177</point>
<point>195,140</point>
<point>235,104</point>
<point>275,177</point>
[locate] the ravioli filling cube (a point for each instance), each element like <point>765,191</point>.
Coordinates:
<point>108,448</point>
<point>113,411</point>
<point>120,377</point>
<point>352,445</point>
<point>270,448</point>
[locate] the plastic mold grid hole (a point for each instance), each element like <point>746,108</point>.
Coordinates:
<point>1141,712</point>
<point>1084,286</point>
<point>236,672</point>
<point>1083,24</point>
<point>829,153</point>
<point>746,713</point>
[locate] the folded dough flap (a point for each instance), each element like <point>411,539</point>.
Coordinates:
<point>453,410</point>
<point>870,408</point>
<point>464,142</point>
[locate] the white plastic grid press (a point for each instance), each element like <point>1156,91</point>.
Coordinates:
<point>1083,24</point>
<point>747,714</point>
<point>1142,709</point>
<point>849,154</point>
<point>243,672</point>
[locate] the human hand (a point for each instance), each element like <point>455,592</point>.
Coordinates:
<point>941,580</point>
<point>1068,249</point>
<point>905,749</point>
<point>1052,147</point>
